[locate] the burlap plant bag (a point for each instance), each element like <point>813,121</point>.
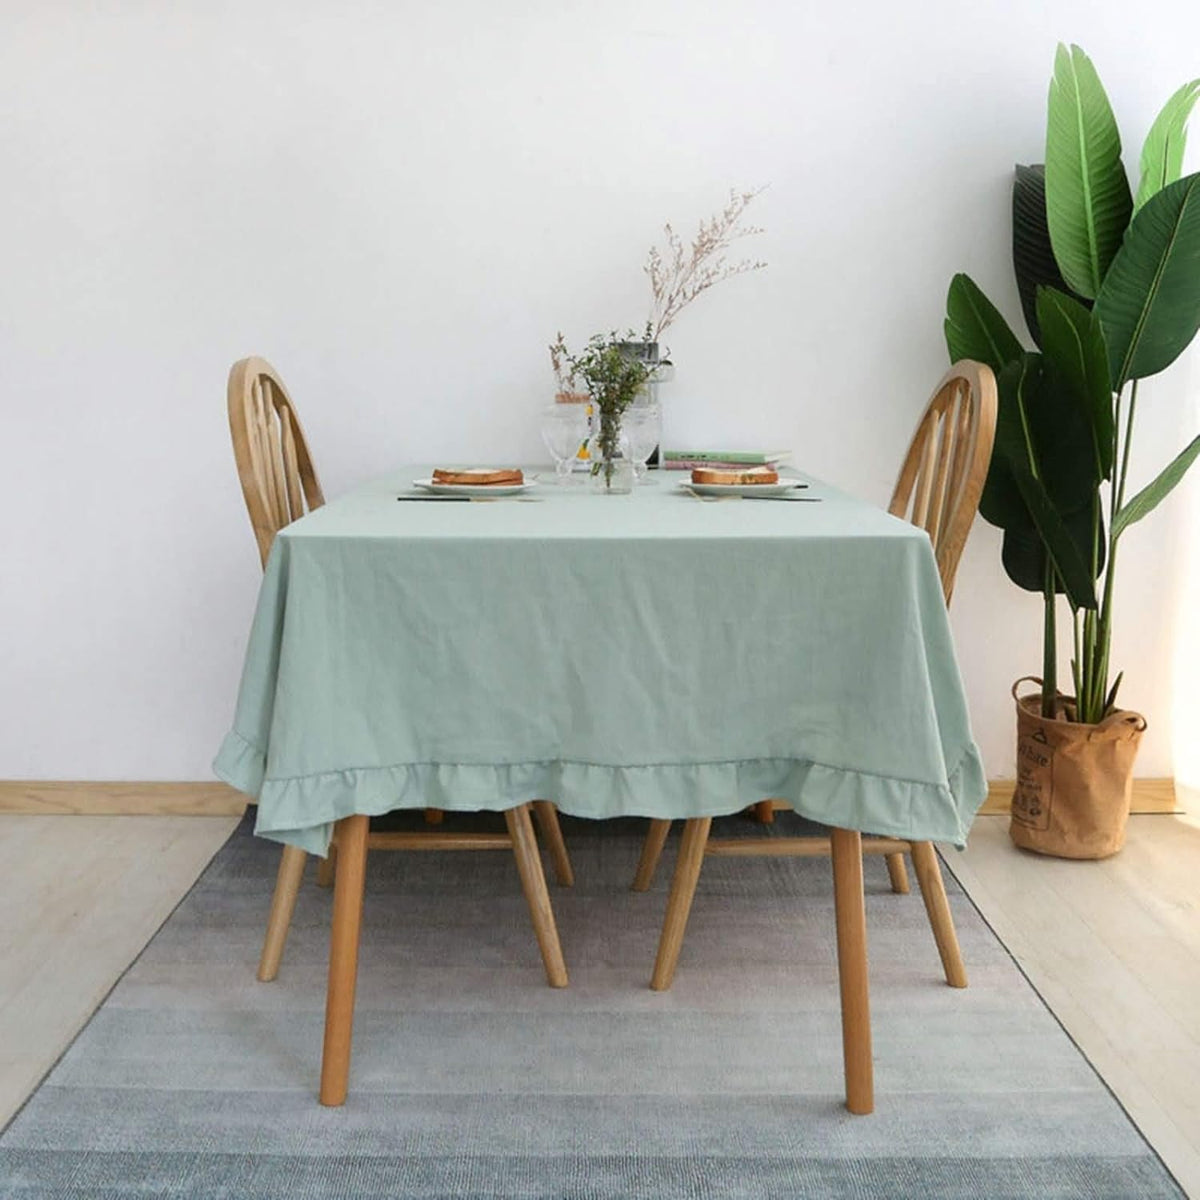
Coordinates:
<point>1074,781</point>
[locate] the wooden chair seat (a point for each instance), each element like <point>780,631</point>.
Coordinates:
<point>938,489</point>
<point>279,484</point>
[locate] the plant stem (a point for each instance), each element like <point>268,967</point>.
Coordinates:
<point>1117,496</point>
<point>1087,665</point>
<point>608,442</point>
<point>1049,645</point>
<point>1098,667</point>
<point>1078,659</point>
<point>1086,655</point>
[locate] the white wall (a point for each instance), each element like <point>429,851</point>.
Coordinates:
<point>399,204</point>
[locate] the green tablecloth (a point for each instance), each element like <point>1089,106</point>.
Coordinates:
<point>650,655</point>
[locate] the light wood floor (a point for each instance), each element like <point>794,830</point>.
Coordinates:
<point>1114,947</point>
<point>79,898</point>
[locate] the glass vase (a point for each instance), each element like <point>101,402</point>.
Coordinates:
<point>662,370</point>
<point>608,452</point>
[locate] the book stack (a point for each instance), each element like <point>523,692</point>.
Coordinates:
<point>723,460</point>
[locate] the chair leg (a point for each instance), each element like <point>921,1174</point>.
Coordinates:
<point>434,816</point>
<point>652,849</point>
<point>764,812</point>
<point>326,867</point>
<point>679,903</point>
<point>933,892</point>
<point>897,873</point>
<point>533,881</point>
<point>852,969</point>
<point>343,958</point>
<point>547,819</point>
<point>283,904</point>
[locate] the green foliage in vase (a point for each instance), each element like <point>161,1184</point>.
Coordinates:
<point>1110,288</point>
<point>611,376</point>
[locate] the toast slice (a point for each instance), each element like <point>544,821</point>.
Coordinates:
<point>481,476</point>
<point>752,476</point>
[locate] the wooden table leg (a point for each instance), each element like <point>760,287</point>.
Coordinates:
<point>283,904</point>
<point>852,969</point>
<point>933,892</point>
<point>679,903</point>
<point>897,873</point>
<point>326,867</point>
<point>533,881</point>
<point>343,958</point>
<point>652,849</point>
<point>547,819</point>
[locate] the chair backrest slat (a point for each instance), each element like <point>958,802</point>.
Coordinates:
<point>944,471</point>
<point>928,436</point>
<point>255,428</point>
<point>279,482</point>
<point>274,462</point>
<point>947,429</point>
<point>291,468</point>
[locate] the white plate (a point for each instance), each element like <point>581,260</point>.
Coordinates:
<point>473,489</point>
<point>743,489</point>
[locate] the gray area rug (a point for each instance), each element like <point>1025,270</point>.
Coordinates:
<point>471,1078</point>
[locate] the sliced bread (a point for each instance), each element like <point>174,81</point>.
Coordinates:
<point>752,476</point>
<point>480,476</point>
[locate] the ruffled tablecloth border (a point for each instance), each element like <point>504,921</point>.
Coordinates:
<point>302,810</point>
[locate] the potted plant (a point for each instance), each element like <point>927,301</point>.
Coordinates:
<point>1109,283</point>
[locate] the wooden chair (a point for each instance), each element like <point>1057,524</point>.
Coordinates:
<point>939,488</point>
<point>279,483</point>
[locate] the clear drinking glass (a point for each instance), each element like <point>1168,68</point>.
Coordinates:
<point>642,424</point>
<point>564,430</point>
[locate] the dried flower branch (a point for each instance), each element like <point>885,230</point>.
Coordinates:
<point>560,360</point>
<point>678,275</point>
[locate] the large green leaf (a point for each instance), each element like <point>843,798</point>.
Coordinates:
<point>1029,402</point>
<point>1069,562</point>
<point>1023,556</point>
<point>1023,553</point>
<point>1154,493</point>
<point>974,327</point>
<point>1162,151</point>
<point>1015,496</point>
<point>1012,442</point>
<point>1041,425</point>
<point>1073,342</point>
<point>1149,306</point>
<point>1088,204</point>
<point>1033,258</point>
<point>1001,504</point>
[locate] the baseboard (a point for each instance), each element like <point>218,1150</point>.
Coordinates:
<point>50,797</point>
<point>142,799</point>
<point>1149,796</point>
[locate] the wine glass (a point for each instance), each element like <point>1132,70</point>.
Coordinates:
<point>564,430</point>
<point>642,424</point>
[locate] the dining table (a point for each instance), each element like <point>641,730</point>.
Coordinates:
<point>657,654</point>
